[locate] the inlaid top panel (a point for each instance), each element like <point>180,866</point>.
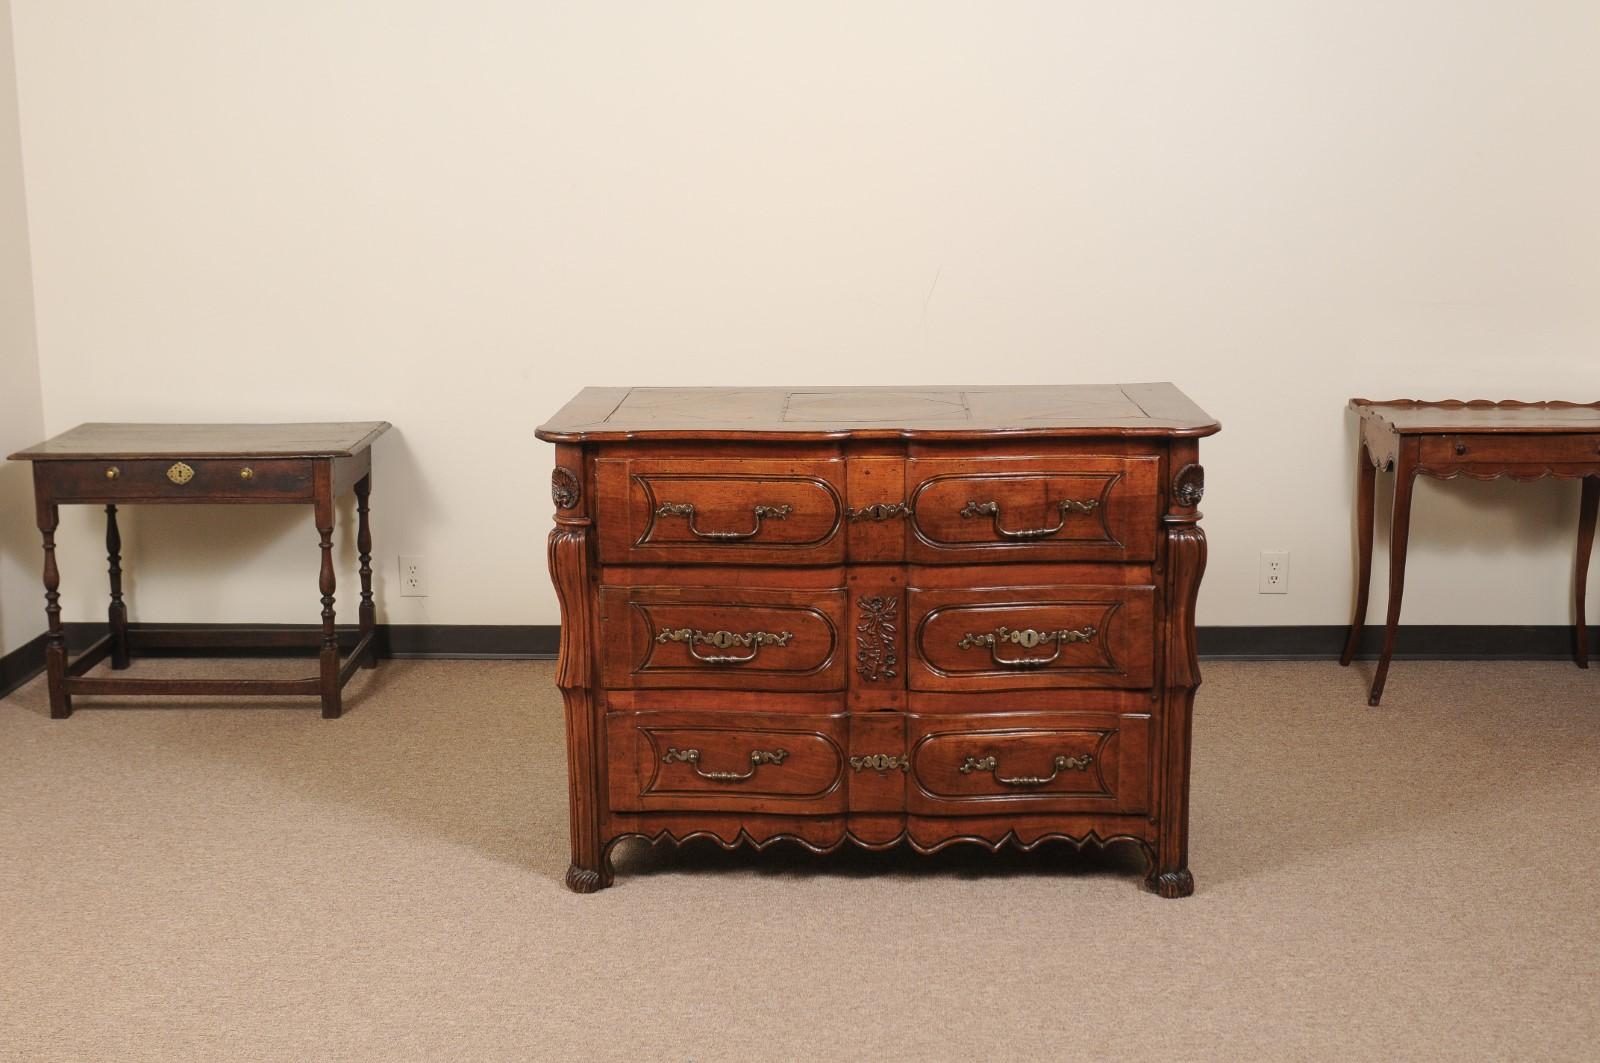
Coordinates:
<point>335,439</point>
<point>1413,417</point>
<point>882,412</point>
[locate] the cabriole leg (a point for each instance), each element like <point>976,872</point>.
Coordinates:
<point>1405,479</point>
<point>590,870</point>
<point>1186,562</point>
<point>1366,490</point>
<point>1588,511</point>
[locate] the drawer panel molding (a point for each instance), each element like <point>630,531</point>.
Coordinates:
<point>722,637</point>
<point>1058,760</point>
<point>735,511</point>
<point>1000,638</point>
<point>692,760</point>
<point>1068,508</point>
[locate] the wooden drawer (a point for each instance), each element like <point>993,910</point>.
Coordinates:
<point>1005,638</point>
<point>720,510</point>
<point>984,764</point>
<point>1483,447</point>
<point>1070,507</point>
<point>174,480</point>
<point>778,763</point>
<point>722,637</point>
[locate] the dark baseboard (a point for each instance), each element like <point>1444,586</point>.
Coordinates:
<point>1434,642</point>
<point>21,665</point>
<point>540,642</point>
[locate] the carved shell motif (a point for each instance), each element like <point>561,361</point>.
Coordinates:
<point>1189,486</point>
<point>564,490</point>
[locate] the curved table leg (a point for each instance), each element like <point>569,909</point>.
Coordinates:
<point>1405,479</point>
<point>1366,492</point>
<point>1588,510</point>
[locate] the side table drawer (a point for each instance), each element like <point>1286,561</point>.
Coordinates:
<point>1029,762</point>
<point>178,480</point>
<point>663,761</point>
<point>1466,449</point>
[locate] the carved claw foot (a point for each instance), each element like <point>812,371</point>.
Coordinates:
<point>1172,884</point>
<point>585,880</point>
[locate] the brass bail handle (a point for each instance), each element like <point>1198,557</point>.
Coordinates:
<point>686,509</point>
<point>991,509</point>
<point>1061,763</point>
<point>758,757</point>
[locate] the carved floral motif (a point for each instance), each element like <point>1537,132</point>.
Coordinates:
<point>875,656</point>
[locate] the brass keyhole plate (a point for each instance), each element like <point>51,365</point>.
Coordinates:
<point>180,473</point>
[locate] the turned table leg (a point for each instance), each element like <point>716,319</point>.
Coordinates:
<point>1366,493</point>
<point>117,613</point>
<point>329,655</point>
<point>1588,510</point>
<point>55,650</point>
<point>1405,479</point>
<point>369,613</point>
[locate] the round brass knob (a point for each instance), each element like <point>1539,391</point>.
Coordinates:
<point>247,473</point>
<point>113,472</point>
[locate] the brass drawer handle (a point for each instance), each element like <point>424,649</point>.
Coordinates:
<point>758,757</point>
<point>686,509</point>
<point>1027,638</point>
<point>113,472</point>
<point>180,473</point>
<point>247,473</point>
<point>1060,764</point>
<point>1063,507</point>
<point>879,511</point>
<point>881,763</point>
<point>723,640</point>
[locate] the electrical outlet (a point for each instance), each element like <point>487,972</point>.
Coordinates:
<point>1274,572</point>
<point>412,585</point>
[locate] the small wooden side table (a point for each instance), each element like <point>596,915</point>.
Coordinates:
<point>230,464</point>
<point>1485,440</point>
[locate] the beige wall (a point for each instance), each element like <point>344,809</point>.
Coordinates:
<point>21,412</point>
<point>452,215</point>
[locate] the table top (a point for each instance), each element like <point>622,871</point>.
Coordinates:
<point>97,441</point>
<point>602,414</point>
<point>1415,417</point>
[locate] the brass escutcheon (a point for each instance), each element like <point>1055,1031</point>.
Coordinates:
<point>180,473</point>
<point>881,763</point>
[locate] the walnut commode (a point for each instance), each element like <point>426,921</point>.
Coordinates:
<point>879,616</point>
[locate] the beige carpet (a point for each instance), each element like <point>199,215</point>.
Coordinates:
<point>224,883</point>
